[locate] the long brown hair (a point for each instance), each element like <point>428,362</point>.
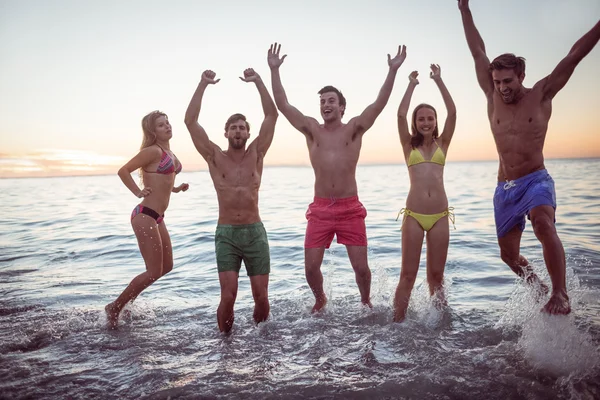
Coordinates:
<point>149,138</point>
<point>417,138</point>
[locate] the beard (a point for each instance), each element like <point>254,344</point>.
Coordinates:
<point>237,144</point>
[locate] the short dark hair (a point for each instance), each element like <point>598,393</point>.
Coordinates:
<point>234,118</point>
<point>508,61</point>
<point>341,98</point>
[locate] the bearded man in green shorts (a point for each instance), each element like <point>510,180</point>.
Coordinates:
<point>236,174</point>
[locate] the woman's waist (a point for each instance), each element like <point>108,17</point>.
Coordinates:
<point>426,203</point>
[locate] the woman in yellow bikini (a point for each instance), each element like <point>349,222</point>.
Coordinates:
<point>427,205</point>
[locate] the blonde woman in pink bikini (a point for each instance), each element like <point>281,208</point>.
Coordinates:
<point>427,213</point>
<point>158,167</point>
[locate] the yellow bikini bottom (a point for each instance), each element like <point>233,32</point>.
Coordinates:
<point>427,221</point>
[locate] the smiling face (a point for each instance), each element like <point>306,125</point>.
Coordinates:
<point>425,121</point>
<point>331,110</point>
<point>508,84</point>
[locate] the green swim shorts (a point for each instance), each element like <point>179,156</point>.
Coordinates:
<point>234,243</point>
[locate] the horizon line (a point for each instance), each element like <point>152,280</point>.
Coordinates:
<point>367,164</point>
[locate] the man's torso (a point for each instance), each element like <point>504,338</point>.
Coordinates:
<point>333,156</point>
<point>237,186</point>
<point>519,132</point>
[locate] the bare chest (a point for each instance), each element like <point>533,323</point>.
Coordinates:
<point>522,122</point>
<point>334,146</point>
<point>228,174</point>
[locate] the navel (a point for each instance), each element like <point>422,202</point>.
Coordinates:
<point>530,119</point>
<point>497,121</point>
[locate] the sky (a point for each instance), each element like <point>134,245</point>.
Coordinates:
<point>76,77</point>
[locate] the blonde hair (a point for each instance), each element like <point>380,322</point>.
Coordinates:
<point>149,138</point>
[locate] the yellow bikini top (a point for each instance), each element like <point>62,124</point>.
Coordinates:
<point>416,157</point>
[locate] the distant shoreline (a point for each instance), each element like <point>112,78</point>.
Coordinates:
<point>291,166</point>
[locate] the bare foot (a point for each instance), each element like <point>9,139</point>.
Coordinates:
<point>558,304</point>
<point>534,281</point>
<point>319,304</point>
<point>367,303</point>
<point>112,316</point>
<point>399,315</point>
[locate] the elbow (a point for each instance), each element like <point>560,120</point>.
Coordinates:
<point>188,120</point>
<point>122,172</point>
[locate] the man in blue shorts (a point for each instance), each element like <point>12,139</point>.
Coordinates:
<point>519,119</point>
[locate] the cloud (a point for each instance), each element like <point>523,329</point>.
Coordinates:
<point>57,162</point>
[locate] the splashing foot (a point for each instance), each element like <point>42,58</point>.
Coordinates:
<point>558,304</point>
<point>112,316</point>
<point>319,304</point>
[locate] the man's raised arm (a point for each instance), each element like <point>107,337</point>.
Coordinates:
<point>267,128</point>
<point>293,115</point>
<point>365,120</point>
<point>205,147</point>
<point>563,71</point>
<point>477,48</point>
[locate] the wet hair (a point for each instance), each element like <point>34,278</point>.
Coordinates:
<point>417,138</point>
<point>234,118</point>
<point>341,98</point>
<point>149,138</point>
<point>148,125</point>
<point>508,61</point>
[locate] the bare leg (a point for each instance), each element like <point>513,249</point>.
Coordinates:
<point>260,292</point>
<point>412,243</point>
<point>542,219</point>
<point>362,273</point>
<point>509,252</point>
<point>313,258</point>
<point>229,288</point>
<point>438,239</point>
<point>150,244</point>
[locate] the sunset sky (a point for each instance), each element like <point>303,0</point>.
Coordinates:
<point>76,77</point>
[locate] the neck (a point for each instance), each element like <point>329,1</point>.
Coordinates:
<point>332,125</point>
<point>236,154</point>
<point>164,145</point>
<point>428,141</point>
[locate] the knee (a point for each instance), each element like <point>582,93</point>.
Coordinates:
<point>362,271</point>
<point>155,273</point>
<point>167,268</point>
<point>228,298</point>
<point>543,226</point>
<point>407,280</point>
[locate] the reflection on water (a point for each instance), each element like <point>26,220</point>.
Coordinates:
<point>67,249</point>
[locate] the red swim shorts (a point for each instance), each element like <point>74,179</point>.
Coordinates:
<point>344,218</point>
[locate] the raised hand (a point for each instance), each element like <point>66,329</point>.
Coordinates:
<point>208,77</point>
<point>145,192</point>
<point>463,5</point>
<point>397,61</point>
<point>273,56</point>
<point>435,71</point>
<point>250,75</point>
<point>413,77</point>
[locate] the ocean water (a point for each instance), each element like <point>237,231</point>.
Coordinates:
<point>67,249</point>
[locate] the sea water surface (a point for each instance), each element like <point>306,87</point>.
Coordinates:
<point>67,249</point>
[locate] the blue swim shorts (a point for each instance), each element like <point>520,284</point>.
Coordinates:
<point>513,200</point>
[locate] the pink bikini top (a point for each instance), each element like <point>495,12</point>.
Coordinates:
<point>166,165</point>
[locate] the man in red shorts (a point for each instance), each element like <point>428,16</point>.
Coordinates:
<point>334,148</point>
